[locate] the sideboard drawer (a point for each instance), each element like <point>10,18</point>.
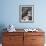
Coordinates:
<point>13,33</point>
<point>37,39</point>
<point>34,33</point>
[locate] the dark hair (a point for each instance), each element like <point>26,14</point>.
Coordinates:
<point>30,17</point>
<point>24,14</point>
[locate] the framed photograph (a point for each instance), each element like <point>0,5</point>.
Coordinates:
<point>26,13</point>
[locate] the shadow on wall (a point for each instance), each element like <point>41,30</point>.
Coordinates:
<point>2,26</point>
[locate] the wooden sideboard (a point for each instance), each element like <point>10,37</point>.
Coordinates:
<point>23,39</point>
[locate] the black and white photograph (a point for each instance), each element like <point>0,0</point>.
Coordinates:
<point>26,13</point>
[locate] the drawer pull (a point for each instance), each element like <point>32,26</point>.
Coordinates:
<point>33,39</point>
<point>10,38</point>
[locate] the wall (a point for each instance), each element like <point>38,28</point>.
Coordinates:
<point>10,13</point>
